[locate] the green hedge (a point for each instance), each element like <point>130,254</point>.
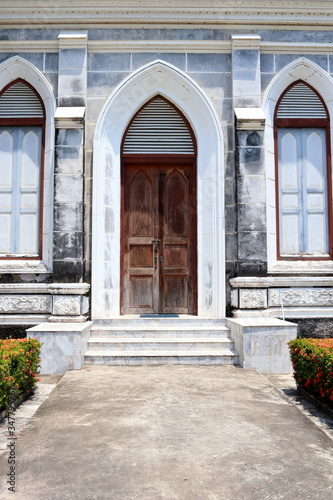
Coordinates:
<point>312,361</point>
<point>19,368</point>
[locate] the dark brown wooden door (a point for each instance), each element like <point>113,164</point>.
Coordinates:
<point>159,238</point>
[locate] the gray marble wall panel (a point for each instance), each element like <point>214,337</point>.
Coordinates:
<point>35,58</point>
<point>251,203</point>
<point>246,76</point>
<point>139,59</point>
<point>72,83</point>
<point>68,239</point>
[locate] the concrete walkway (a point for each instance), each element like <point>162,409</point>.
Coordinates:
<point>171,433</point>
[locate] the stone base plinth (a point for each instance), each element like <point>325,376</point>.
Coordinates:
<point>64,345</point>
<point>262,343</point>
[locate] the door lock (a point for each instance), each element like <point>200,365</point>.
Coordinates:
<point>156,242</point>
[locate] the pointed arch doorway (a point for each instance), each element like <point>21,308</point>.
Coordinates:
<point>158,212</point>
<point>157,78</point>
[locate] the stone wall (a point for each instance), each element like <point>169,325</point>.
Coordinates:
<point>234,69</point>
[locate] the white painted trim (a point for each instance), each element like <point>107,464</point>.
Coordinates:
<point>70,117</point>
<point>10,70</point>
<point>247,42</point>
<point>250,118</point>
<point>314,75</point>
<point>173,13</point>
<point>162,78</point>
<point>295,48</point>
<point>175,46</point>
<point>73,39</point>
<point>180,46</point>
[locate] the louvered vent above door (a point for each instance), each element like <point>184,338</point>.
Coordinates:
<point>300,101</point>
<point>20,101</point>
<point>158,128</point>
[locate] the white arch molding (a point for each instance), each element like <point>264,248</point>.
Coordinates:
<point>320,80</point>
<point>155,78</point>
<point>10,70</point>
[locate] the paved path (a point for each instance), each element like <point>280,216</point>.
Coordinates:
<point>169,432</point>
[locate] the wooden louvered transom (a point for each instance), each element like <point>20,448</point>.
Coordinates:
<point>20,101</point>
<point>301,102</point>
<point>158,128</point>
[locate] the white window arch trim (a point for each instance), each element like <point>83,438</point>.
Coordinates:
<point>322,82</point>
<point>10,70</point>
<point>158,78</point>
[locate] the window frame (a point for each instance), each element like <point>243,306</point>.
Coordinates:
<point>26,122</point>
<point>323,123</point>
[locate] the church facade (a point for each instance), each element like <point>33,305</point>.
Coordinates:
<point>165,160</point>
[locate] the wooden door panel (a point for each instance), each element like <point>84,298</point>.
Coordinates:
<point>175,294</point>
<point>179,241</point>
<point>141,256</point>
<point>141,293</point>
<point>175,195</point>
<point>139,227</point>
<point>175,255</point>
<point>141,205</point>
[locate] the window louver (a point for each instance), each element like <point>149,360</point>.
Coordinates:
<point>19,101</point>
<point>158,128</point>
<point>300,101</point>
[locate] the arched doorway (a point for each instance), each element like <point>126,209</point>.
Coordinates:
<point>158,212</point>
<point>157,78</point>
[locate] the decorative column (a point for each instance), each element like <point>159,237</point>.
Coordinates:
<point>251,185</point>
<point>64,337</point>
<point>69,290</point>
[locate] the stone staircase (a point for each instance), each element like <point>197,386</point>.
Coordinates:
<point>157,340</point>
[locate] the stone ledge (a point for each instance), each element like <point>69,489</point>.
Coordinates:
<point>62,327</point>
<point>29,288</point>
<point>68,289</point>
<point>287,312</point>
<point>23,267</point>
<point>246,42</point>
<point>250,118</point>
<point>281,281</point>
<point>73,39</point>
<point>70,117</point>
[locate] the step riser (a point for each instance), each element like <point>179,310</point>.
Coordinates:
<point>160,322</point>
<point>151,346</point>
<point>137,333</point>
<point>161,360</point>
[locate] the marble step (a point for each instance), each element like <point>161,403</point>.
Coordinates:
<point>200,357</point>
<point>173,330</point>
<point>157,321</point>
<point>160,344</point>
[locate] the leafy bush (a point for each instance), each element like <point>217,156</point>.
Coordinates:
<point>312,361</point>
<point>19,367</point>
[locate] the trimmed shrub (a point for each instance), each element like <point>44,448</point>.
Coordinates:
<point>312,361</point>
<point>19,367</point>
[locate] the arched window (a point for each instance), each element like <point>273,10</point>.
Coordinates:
<point>22,129</point>
<point>303,180</point>
<point>159,128</point>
